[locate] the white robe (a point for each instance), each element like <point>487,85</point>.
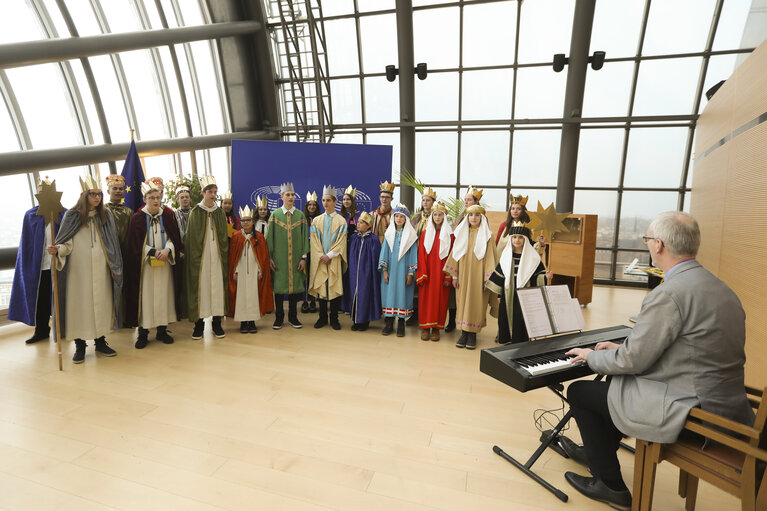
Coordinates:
<point>89,283</point>
<point>247,306</point>
<point>211,289</point>
<point>158,306</point>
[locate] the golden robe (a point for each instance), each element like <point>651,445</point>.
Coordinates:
<point>325,280</point>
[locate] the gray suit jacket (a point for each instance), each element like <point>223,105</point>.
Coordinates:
<point>686,350</point>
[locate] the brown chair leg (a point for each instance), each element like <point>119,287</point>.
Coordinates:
<point>692,493</point>
<point>683,477</point>
<point>639,461</point>
<point>648,476</point>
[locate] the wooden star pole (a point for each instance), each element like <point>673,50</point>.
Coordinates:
<point>50,207</point>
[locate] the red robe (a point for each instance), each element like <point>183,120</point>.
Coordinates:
<point>432,292</point>
<point>261,251</point>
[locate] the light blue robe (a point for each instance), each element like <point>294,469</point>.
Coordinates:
<point>396,297</point>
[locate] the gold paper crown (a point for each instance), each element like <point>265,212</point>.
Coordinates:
<point>115,179</point>
<point>157,181</point>
<point>439,206</point>
<point>428,192</point>
<point>91,182</point>
<point>149,186</point>
<point>311,196</point>
<point>329,190</point>
<point>519,228</point>
<point>366,217</point>
<point>475,208</point>
<point>228,195</point>
<point>386,186</point>
<point>287,187</point>
<point>182,188</point>
<point>518,224</point>
<point>206,181</point>
<point>261,202</point>
<point>351,191</point>
<point>518,199</point>
<point>476,192</point>
<point>246,212</point>
<point>41,182</point>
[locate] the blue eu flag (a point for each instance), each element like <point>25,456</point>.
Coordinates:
<point>134,176</point>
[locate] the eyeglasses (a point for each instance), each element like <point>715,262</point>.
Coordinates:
<point>95,194</point>
<point>648,238</point>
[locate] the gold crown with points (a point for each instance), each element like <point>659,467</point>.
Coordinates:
<point>350,191</point>
<point>329,190</point>
<point>91,181</point>
<point>439,206</point>
<point>46,181</point>
<point>386,186</point>
<point>428,192</point>
<point>476,192</point>
<point>149,186</point>
<point>246,212</point>
<point>518,199</point>
<point>227,195</point>
<point>475,208</point>
<point>519,228</point>
<point>311,196</point>
<point>366,217</point>
<point>115,180</point>
<point>261,202</point>
<point>287,187</point>
<point>206,181</point>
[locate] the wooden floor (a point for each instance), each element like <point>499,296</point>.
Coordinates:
<point>289,419</point>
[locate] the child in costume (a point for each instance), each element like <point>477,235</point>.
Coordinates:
<point>250,279</point>
<point>382,214</point>
<point>364,282</point>
<point>311,211</point>
<point>433,283</point>
<point>351,215</point>
<point>398,264</point>
<point>471,262</point>
<point>232,223</point>
<point>262,214</point>
<point>519,266</point>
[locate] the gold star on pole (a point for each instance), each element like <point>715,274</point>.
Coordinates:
<point>547,221</point>
<point>49,200</point>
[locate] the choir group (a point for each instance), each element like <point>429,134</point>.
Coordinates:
<point>150,268</point>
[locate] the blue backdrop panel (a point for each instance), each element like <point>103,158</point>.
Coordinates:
<point>259,167</point>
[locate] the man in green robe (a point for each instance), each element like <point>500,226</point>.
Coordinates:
<point>120,212</point>
<point>288,241</point>
<point>206,257</point>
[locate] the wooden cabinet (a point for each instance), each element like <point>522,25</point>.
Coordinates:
<point>572,254</point>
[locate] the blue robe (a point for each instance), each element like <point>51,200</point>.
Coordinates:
<point>396,297</point>
<point>365,288</point>
<point>29,260</point>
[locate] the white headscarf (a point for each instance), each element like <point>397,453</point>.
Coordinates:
<point>409,236</point>
<point>528,263</point>
<point>444,236</point>
<point>461,243</point>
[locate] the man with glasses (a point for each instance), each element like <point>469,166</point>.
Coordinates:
<point>686,350</point>
<point>382,215</point>
<point>121,213</point>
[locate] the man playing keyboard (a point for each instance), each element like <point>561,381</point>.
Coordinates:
<point>686,350</point>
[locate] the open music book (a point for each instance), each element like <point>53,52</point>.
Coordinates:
<point>550,310</point>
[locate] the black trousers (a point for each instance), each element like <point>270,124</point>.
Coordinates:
<point>43,312</point>
<point>588,402</point>
<point>292,305</point>
<point>335,306</point>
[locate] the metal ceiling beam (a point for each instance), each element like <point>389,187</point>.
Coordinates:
<point>31,53</point>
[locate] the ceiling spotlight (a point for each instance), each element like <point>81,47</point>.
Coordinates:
<point>597,60</point>
<point>391,73</point>
<point>420,71</point>
<point>559,62</point>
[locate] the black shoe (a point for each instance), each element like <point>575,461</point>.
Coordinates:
<point>594,488</point>
<point>355,327</point>
<point>79,351</point>
<point>574,451</point>
<point>401,327</point>
<point>388,326</point>
<point>461,340</point>
<point>199,328</point>
<point>217,330</point>
<point>244,327</point>
<point>305,307</point>
<point>293,321</point>
<point>163,336</point>
<point>278,319</point>
<point>38,336</point>
<point>103,348</point>
<point>252,328</point>
<point>321,322</point>
<point>142,339</point>
<point>450,321</point>
<point>361,327</point>
<point>335,324</point>
<point>471,341</point>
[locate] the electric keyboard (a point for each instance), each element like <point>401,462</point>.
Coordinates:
<point>531,365</point>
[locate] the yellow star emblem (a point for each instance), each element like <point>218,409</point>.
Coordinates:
<point>127,188</point>
<point>49,200</point>
<point>547,221</point>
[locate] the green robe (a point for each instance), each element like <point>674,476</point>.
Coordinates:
<point>122,216</point>
<point>288,241</point>
<point>193,248</point>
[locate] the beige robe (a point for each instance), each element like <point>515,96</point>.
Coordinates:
<point>248,270</point>
<point>89,283</point>
<point>158,306</point>
<point>211,289</point>
<point>326,282</point>
<point>472,299</point>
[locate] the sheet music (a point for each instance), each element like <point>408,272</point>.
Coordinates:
<point>534,311</point>
<point>565,310</point>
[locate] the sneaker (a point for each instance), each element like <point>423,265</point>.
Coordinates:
<point>103,348</point>
<point>199,327</point>
<point>461,340</point>
<point>79,351</point>
<point>293,321</point>
<point>142,339</point>
<point>217,330</point>
<point>278,322</point>
<point>252,329</point>
<point>244,327</point>
<point>163,335</point>
<point>471,341</point>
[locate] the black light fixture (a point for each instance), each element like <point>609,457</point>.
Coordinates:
<point>391,73</point>
<point>597,60</point>
<point>421,71</point>
<point>559,62</point>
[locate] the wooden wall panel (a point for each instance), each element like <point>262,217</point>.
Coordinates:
<point>729,198</point>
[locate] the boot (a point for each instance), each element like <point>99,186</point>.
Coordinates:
<point>335,304</point>
<point>279,312</point>
<point>388,326</point>
<point>361,327</point>
<point>244,327</point>
<point>305,307</point>
<point>79,351</point>
<point>252,329</point>
<point>163,335</point>
<point>39,335</point>
<point>435,334</point>
<point>199,327</point>
<point>293,312</point>
<point>217,330</point>
<point>355,327</point>
<point>103,348</point>
<point>323,318</point>
<point>450,321</point>
<point>425,334</point>
<point>471,341</point>
<point>401,327</point>
<point>461,340</point>
<point>142,339</point>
